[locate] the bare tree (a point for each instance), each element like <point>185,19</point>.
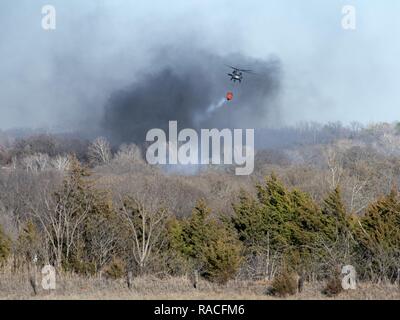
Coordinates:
<point>146,223</point>
<point>61,163</point>
<point>334,162</point>
<point>60,214</point>
<point>42,161</point>
<point>29,164</point>
<point>36,162</point>
<point>129,153</point>
<point>14,163</point>
<point>104,238</point>
<point>99,151</point>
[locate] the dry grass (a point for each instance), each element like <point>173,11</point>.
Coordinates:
<point>73,287</point>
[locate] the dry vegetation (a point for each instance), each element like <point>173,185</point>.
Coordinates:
<point>324,197</point>
<point>170,288</point>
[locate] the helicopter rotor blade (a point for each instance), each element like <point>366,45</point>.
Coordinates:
<point>240,70</point>
<point>246,70</point>
<point>232,67</point>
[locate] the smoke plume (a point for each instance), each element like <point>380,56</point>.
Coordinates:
<point>188,88</point>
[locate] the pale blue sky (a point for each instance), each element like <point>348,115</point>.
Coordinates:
<point>48,78</point>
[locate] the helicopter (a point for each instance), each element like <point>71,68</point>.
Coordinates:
<point>237,74</point>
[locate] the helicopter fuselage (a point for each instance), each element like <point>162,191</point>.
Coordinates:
<point>236,76</point>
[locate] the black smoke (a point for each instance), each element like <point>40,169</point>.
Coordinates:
<point>182,87</point>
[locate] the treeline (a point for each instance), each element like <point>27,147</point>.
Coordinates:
<point>82,228</point>
<point>385,137</point>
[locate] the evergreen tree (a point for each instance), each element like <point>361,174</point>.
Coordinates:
<point>337,220</point>
<point>333,205</point>
<point>29,242</point>
<point>378,236</point>
<point>208,245</point>
<point>287,222</point>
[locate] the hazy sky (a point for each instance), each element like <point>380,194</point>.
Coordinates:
<point>64,77</point>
